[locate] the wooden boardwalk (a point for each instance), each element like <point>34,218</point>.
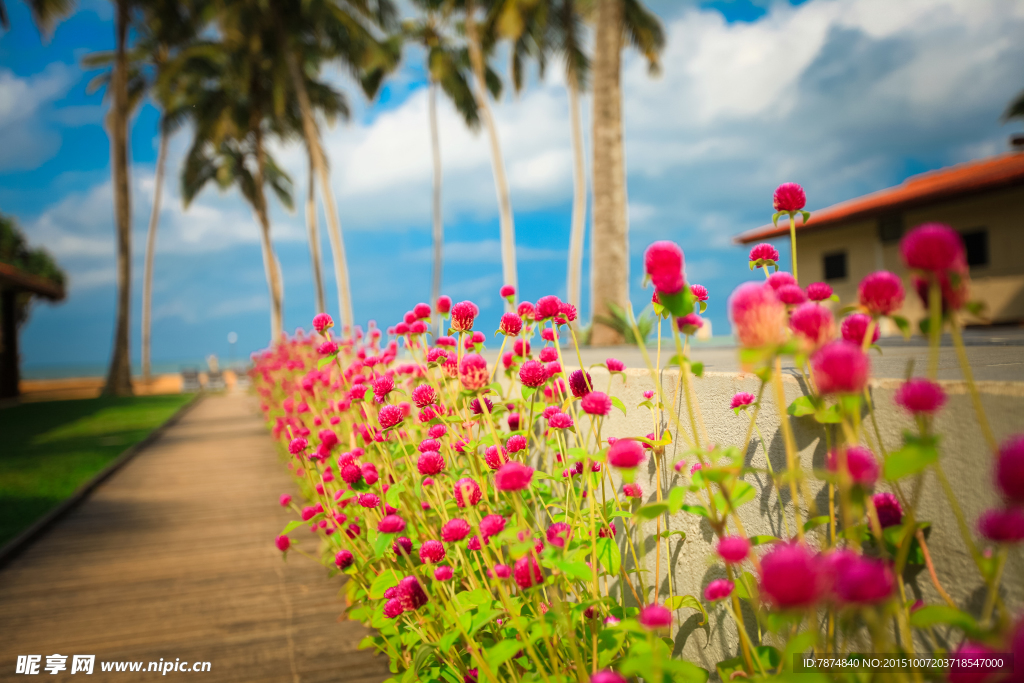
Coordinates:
<point>173,557</point>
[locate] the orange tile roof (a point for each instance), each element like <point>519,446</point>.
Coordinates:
<point>972,177</point>
<point>22,281</point>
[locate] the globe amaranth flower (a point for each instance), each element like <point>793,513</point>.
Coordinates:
<point>393,608</point>
<point>473,372</point>
<point>369,500</point>
<point>758,317</point>
<point>467,492</point>
<point>718,589</point>
<point>526,310</point>
<point>700,292</point>
<point>443,573</point>
<point>791,576</point>
<point>764,252</point>
<point>283,543</point>
<point>389,416</point>
<point>501,571</point>
<point>920,396</point>
<point>297,445</point>
<point>780,279</point>
<point>548,354</point>
<point>511,325</point>
<point>454,530</point>
<point>284,500</point>
<point>859,580</point>
<point>569,312</point>
<point>615,365</point>
<point>689,324</point>
<point>933,247</point>
<point>477,409</point>
<point>818,291</point>
<point>391,524</point>
<point>814,324</point>
<point>596,403</point>
<point>351,473</point>
<point>741,399</point>
<point>733,549</point>
<point>424,395</point>
<point>402,546</point>
<point>855,328</point>
<point>791,295</point>
<point>494,457</point>
<point>343,559</point>
<point>1002,526</point>
<point>654,617</point>
<point>558,534</point>
<point>968,670</point>
<point>532,374</point>
<point>632,490</point>
<point>881,293</point>
<point>513,476</point>
<point>322,322</point>
<point>789,197</point>
<point>560,420</point>
<point>382,386</point>
<point>1009,468</point>
<point>410,594</point>
<point>580,383</point>
<point>663,262</point>
<point>430,463</point>
<point>626,454</point>
<point>890,512</point>
<point>527,572</point>
<point>515,443</point>
<point>421,311</point>
<point>861,464</point>
<point>840,368</point>
<point>607,675</point>
<point>431,552</point>
<point>463,315</point>
<point>507,291</point>
<point>492,525</point>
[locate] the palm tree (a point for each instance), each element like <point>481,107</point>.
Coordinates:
<point>46,13</point>
<point>617,21</point>
<point>448,70</point>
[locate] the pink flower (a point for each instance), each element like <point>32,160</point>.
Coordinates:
<point>968,670</point>
<point>473,372</point>
<point>855,328</point>
<point>351,474</point>
<point>443,573</point>
<point>558,534</point>
<point>700,292</point>
<point>513,476</point>
<point>840,368</point>
<point>463,315</point>
<point>454,530</point>
<point>626,453</point>
<point>780,279</point>
<point>569,311</point>
<point>511,325</point>
<point>818,291</point>
<point>614,365</point>
<point>654,617</point>
<point>297,445</point>
<point>689,323</point>
<point>861,463</point>
<point>285,499</point>
<point>548,354</point>
<point>391,524</point>
<point>410,594</point>
<point>789,197</point>
<point>791,576</point>
<point>859,580</point>
<point>648,395</point>
<point>733,549</point>
<point>580,383</point>
<point>322,322</point>
<point>664,264</point>
<point>393,608</point>
<point>1002,526</point>
<point>430,463</point>
<point>758,317</point>
<point>881,293</point>
<point>515,443</point>
<point>389,416</point>
<point>607,675</point>
<point>632,491</point>
<point>494,458</point>
<point>890,512</point>
<point>764,252</point>
<point>560,421</point>
<point>343,559</point>
<point>507,291</point>
<point>492,525</point>
<point>402,546</point>
<point>813,323</point>
<point>369,500</point>
<point>1010,468</point>
<point>467,492</point>
<point>932,246</point>
<point>718,590</point>
<point>502,571</point>
<point>743,398</point>
<point>327,348</point>
<point>421,310</point>
<point>424,395</point>
<point>527,572</point>
<point>369,472</point>
<point>532,374</point>
<point>791,295</point>
<point>526,311</point>
<point>431,552</point>
<point>283,543</point>
<point>382,386</point>
<point>548,307</point>
<point>596,403</point>
<point>920,396</point>
<point>477,409</point>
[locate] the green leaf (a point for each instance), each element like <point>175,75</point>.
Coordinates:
<point>915,455</point>
<point>528,392</point>
<point>501,652</point>
<point>291,526</point>
<point>381,545</point>
<point>680,303</point>
<point>652,510</point>
<point>578,570</point>
<point>798,644</point>
<point>325,360</point>
<point>830,415</point>
<point>675,360</point>
<point>768,655</point>
<point>903,324</point>
<point>448,641</point>
<point>690,601</point>
<point>669,534</point>
<point>696,510</point>
<point>618,404</point>
<point>801,406</point>
<point>763,539</point>
<point>927,617</point>
<point>815,522</point>
<point>483,618</point>
<point>468,600</point>
<point>697,368</point>
<point>391,497</point>
<point>386,579</point>
<point>675,499</point>
<point>609,556</point>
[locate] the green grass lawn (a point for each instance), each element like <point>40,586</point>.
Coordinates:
<point>48,450</point>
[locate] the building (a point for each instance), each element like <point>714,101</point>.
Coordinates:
<point>983,200</point>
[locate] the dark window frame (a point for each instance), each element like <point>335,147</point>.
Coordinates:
<point>841,265</point>
<point>977,247</point>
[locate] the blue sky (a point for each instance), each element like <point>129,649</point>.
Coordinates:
<point>843,97</point>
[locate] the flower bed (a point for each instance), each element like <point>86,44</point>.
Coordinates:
<point>491,529</point>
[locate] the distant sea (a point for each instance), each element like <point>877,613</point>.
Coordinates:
<point>66,370</point>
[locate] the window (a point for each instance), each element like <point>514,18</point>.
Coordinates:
<point>976,243</point>
<point>835,266</point>
<point>890,227</point>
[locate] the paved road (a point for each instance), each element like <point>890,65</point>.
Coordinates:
<point>173,557</point>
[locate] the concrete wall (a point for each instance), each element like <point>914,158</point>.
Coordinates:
<point>692,562</point>
<point>1000,284</point>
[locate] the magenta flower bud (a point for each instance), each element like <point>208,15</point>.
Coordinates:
<point>758,317</point>
<point>369,472</point>
<point>410,594</point>
<point>814,324</point>
<point>322,322</point>
<point>473,372</point>
<point>389,416</point>
<point>855,329</point>
<point>494,458</point>
<point>648,395</point>
<point>343,559</point>
<point>596,403</point>
<point>1002,526</point>
<point>431,552</point>
<point>549,354</point>
<point>626,453</point>
<point>791,576</point>
<point>511,325</point>
<point>569,311</point>
<point>454,530</point>
<point>430,463</point>
<point>580,383</point>
<point>932,246</point>
<point>700,292</point>
<point>689,324</point>
<point>393,608</point>
<point>297,445</point>
<point>890,512</point>
<point>402,546</point>
<point>437,355</point>
<point>532,374</point>
<point>467,492</point>
<point>437,431</point>
<point>679,466</point>
<point>861,463</point>
<point>283,543</point>
<point>632,490</point>
<point>719,589</point>
<point>474,543</point>
<point>764,252</point>
<point>968,669</point>
<point>881,293</point>
<point>920,396</point>
<point>818,291</point>
<point>369,500</point>
<point>463,315</point>
<point>654,617</point>
<point>789,197</point>
<point>840,368</point>
<point>558,534</point>
<point>502,571</point>
<point>391,524</point>
<point>743,398</point>
<point>444,304</point>
<point>733,549</point>
<point>308,513</point>
<point>429,445</point>
<point>1010,468</point>
<point>327,348</point>
<point>513,476</point>
<point>382,386</point>
<point>507,291</point>
<point>477,409</point>
<point>443,573</point>
<point>527,572</point>
<point>492,525</point>
<point>779,280</point>
<point>421,311</point>
<point>615,365</point>
<point>547,307</point>
<point>791,295</point>
<point>607,675</point>
<point>663,262</point>
<point>515,443</point>
<point>860,580</point>
<point>285,499</point>
<point>526,311</point>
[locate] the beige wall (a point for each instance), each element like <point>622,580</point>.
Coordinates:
<point>1000,284</point>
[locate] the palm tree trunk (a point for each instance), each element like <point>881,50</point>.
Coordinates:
<point>579,198</point>
<point>309,130</point>
<point>314,240</point>
<point>119,375</point>
<point>609,265</point>
<point>147,272</point>
<point>435,149</point>
<point>270,264</point>
<point>508,228</point>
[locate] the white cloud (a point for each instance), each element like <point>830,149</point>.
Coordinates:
<point>26,141</point>
<point>486,251</point>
